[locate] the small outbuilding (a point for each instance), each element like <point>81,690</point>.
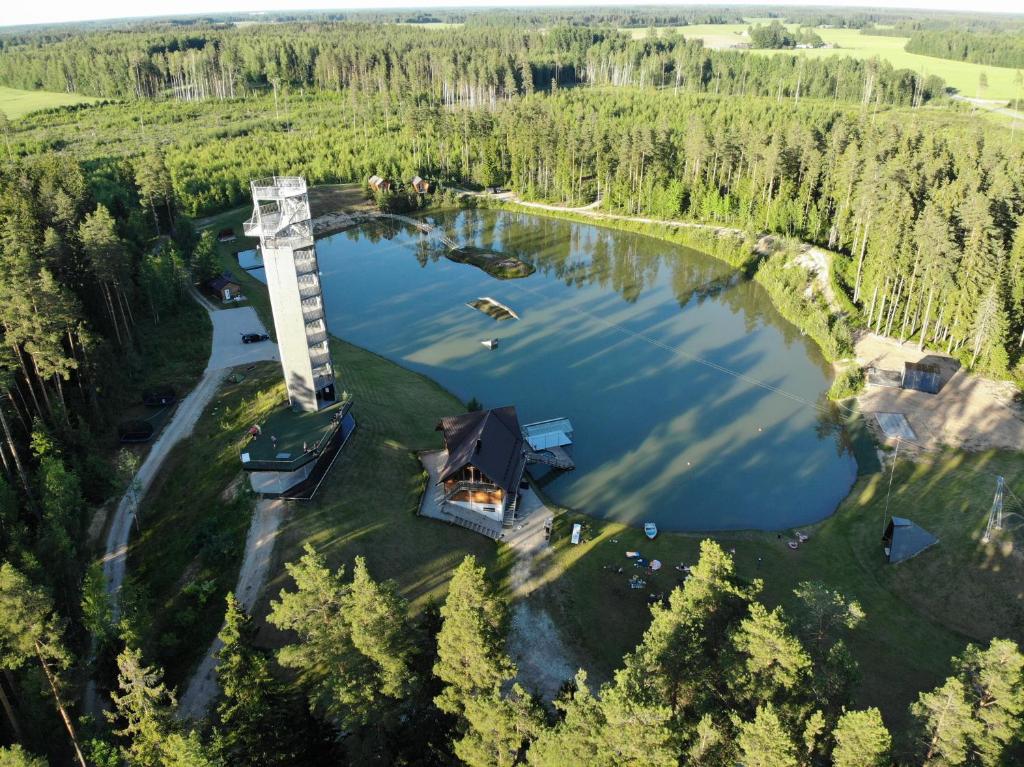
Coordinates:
<point>420,185</point>
<point>903,540</point>
<point>922,376</point>
<point>224,287</point>
<point>379,184</point>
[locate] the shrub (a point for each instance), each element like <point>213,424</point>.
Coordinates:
<point>849,383</point>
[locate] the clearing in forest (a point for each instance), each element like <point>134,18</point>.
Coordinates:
<point>14,103</point>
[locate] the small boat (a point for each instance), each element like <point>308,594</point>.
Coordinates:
<point>650,530</point>
<point>490,343</point>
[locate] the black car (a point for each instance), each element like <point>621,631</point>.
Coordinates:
<point>254,338</point>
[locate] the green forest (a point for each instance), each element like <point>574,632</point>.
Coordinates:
<point>999,50</point>
<point>922,206</point>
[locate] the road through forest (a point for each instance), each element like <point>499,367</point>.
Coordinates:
<point>226,351</point>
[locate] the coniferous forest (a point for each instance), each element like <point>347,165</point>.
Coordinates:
<point>921,203</point>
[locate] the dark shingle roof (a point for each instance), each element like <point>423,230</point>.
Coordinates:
<point>489,440</point>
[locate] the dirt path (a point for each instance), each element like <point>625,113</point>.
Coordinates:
<point>535,643</point>
<point>259,547</point>
<point>591,211</point>
<point>226,352</point>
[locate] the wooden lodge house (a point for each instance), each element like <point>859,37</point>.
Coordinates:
<point>484,463</point>
<point>378,184</point>
<point>223,287</point>
<point>420,185</point>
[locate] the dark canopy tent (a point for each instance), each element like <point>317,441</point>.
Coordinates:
<point>903,540</point>
<point>135,431</point>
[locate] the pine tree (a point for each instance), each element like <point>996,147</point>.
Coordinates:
<point>861,740</point>
<point>498,728</point>
<point>342,681</point>
<point>377,616</point>
<point>30,629</point>
<point>145,707</point>
<point>16,756</point>
<point>259,722</point>
<point>993,679</point>
<point>772,661</point>
<point>946,725</point>
<point>605,732</point>
<point>471,658</point>
<point>764,742</point>
<point>674,663</point>
<point>204,262</point>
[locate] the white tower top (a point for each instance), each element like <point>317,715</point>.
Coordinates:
<point>281,219</point>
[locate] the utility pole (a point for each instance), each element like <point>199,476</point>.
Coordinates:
<point>888,492</point>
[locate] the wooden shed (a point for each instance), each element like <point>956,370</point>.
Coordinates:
<point>420,185</point>
<point>379,184</point>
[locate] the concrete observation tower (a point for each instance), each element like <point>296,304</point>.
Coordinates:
<point>281,219</point>
<point>290,453</point>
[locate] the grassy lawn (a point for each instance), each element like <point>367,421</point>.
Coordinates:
<point>961,75</point>
<point>367,505</point>
<point>919,613</point>
<point>15,103</point>
<point>193,533</point>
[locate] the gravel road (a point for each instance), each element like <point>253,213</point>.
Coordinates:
<point>227,351</point>
<point>259,547</point>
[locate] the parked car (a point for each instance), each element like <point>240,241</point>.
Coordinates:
<point>254,338</point>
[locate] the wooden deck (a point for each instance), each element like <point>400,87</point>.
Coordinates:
<point>556,457</point>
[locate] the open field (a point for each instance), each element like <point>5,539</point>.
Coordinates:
<point>961,75</point>
<point>15,103</point>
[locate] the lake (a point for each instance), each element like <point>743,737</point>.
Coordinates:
<point>692,399</point>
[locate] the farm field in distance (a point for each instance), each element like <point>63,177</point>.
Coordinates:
<point>14,103</point>
<point>961,75</point>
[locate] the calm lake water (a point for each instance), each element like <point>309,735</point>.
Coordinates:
<point>623,334</point>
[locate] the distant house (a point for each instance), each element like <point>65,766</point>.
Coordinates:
<point>378,184</point>
<point>485,461</point>
<point>420,185</point>
<point>227,235</point>
<point>223,287</point>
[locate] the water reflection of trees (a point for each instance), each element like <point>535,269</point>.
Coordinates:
<point>581,255</point>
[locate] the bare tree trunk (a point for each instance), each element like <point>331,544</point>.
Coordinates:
<point>22,475</point>
<point>11,716</point>
<point>60,704</point>
<point>860,262</point>
<point>927,312</point>
<point>28,380</point>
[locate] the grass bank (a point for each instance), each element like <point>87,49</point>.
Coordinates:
<point>919,613</point>
<point>188,552</point>
<point>367,505</point>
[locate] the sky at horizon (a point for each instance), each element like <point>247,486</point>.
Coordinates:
<point>56,11</point>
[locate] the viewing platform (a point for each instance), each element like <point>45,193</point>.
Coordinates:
<point>288,440</point>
